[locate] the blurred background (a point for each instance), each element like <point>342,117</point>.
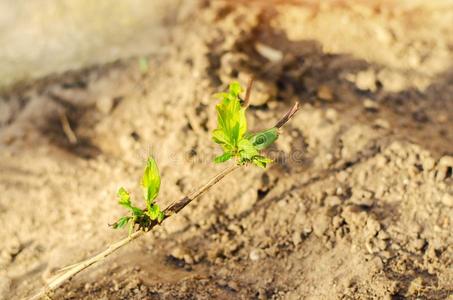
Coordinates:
<point>358,203</point>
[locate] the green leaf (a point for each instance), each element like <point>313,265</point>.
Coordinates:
<point>246,150</point>
<point>124,198</point>
<point>121,222</point>
<point>154,211</point>
<point>235,89</point>
<point>160,217</point>
<point>231,121</point>
<point>220,138</point>
<point>151,181</point>
<point>264,139</point>
<point>223,158</point>
<point>231,132</point>
<point>137,212</point>
<point>261,161</point>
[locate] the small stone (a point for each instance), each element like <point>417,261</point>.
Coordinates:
<point>383,235</point>
<point>105,104</point>
<point>428,163</point>
<point>415,286</point>
<point>418,244</point>
<point>370,105</point>
<point>188,259</point>
<point>233,285</point>
<point>381,244</point>
<point>321,226</point>
<point>179,253</point>
<point>444,168</point>
<point>297,237</point>
<point>372,227</point>
<point>385,255</point>
<point>337,221</point>
<point>447,200</point>
<point>366,80</point>
<point>382,123</point>
<point>362,197</point>
<point>256,254</point>
<point>307,230</point>
<point>377,261</point>
<point>331,114</point>
<point>268,52</point>
<point>222,282</point>
<point>370,247</point>
<point>332,200</point>
<point>325,93</point>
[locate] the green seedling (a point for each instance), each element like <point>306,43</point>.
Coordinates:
<point>143,218</point>
<point>232,135</point>
<point>237,143</point>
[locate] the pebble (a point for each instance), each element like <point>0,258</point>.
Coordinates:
<point>337,221</point>
<point>372,228</point>
<point>418,244</point>
<point>307,230</point>
<point>447,200</point>
<point>362,197</point>
<point>325,93</point>
<point>444,168</point>
<point>428,163</point>
<point>104,104</point>
<point>332,200</point>
<point>366,80</point>
<point>297,237</point>
<point>370,105</point>
<point>233,285</point>
<point>383,235</point>
<point>372,249</point>
<point>382,123</point>
<point>181,254</point>
<point>256,254</point>
<point>321,226</point>
<point>188,259</point>
<point>268,52</point>
<point>331,114</point>
<point>377,261</point>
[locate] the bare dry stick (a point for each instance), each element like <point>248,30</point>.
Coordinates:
<point>67,128</point>
<point>68,272</point>
<point>246,102</point>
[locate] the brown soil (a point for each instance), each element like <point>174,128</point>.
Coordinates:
<point>359,204</point>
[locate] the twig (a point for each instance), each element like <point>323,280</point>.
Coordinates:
<point>288,115</point>
<point>67,128</point>
<point>173,208</point>
<point>248,92</point>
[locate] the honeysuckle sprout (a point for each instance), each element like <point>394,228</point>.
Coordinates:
<point>237,143</point>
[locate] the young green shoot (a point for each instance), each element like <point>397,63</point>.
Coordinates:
<point>232,133</point>
<point>237,143</point>
<point>143,218</point>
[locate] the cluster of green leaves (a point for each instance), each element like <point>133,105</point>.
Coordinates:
<point>231,132</point>
<point>151,185</point>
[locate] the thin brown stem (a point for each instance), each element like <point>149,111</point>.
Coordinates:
<point>288,115</point>
<point>248,92</point>
<point>70,271</point>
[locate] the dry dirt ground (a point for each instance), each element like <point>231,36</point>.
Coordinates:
<point>358,205</point>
